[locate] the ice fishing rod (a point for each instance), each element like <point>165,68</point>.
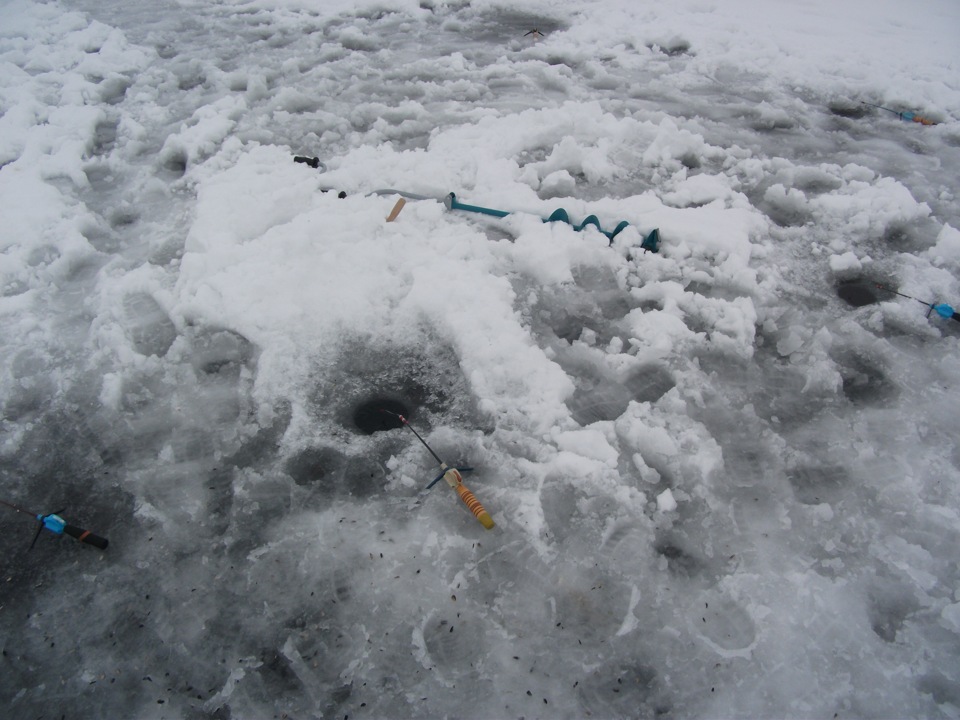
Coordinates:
<point>58,526</point>
<point>943,310</point>
<point>906,117</point>
<point>453,477</point>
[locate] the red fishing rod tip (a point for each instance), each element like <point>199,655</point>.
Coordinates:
<point>396,415</point>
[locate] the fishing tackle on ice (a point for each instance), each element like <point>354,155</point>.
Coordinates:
<point>454,479</point>
<point>943,310</point>
<point>58,526</point>
<point>905,116</point>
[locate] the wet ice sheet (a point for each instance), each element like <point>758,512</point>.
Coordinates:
<point>720,487</point>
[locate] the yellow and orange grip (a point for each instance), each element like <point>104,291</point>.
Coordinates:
<point>455,480</point>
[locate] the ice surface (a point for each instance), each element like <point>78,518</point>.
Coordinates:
<point>724,476</point>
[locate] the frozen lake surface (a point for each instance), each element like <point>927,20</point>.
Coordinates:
<point>725,476</point>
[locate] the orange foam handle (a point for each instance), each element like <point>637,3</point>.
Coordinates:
<point>479,512</point>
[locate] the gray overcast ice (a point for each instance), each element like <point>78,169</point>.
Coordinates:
<point>725,476</point>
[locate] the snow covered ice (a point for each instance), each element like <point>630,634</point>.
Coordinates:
<point>725,476</point>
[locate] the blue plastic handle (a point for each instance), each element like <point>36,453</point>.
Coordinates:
<point>53,523</point>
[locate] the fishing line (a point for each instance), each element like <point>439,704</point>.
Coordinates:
<point>408,425</point>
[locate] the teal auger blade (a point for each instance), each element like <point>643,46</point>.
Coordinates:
<point>651,241</point>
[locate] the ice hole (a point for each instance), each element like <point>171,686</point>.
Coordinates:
<point>364,380</point>
<point>857,293</point>
<point>369,417</point>
<point>848,109</point>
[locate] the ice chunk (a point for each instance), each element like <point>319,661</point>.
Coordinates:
<point>666,502</point>
<point>846,262</point>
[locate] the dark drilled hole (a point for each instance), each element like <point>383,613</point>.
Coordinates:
<point>370,416</point>
<point>847,109</point>
<point>857,293</point>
